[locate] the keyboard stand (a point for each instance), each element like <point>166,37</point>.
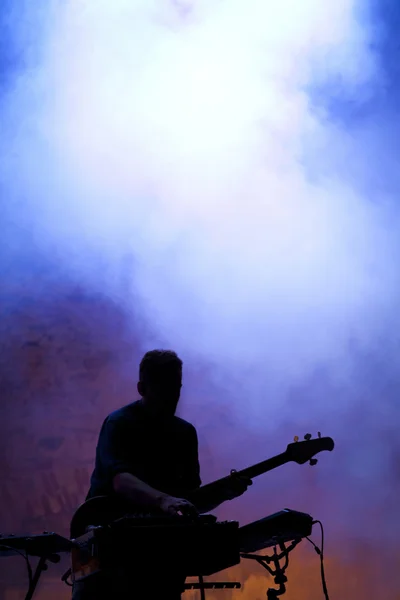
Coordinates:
<point>279,572</point>
<point>41,567</point>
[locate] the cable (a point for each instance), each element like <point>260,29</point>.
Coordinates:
<point>66,576</point>
<point>320,552</point>
<point>26,559</point>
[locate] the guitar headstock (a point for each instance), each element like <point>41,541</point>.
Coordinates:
<point>302,452</point>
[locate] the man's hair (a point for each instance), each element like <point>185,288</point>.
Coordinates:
<point>156,363</point>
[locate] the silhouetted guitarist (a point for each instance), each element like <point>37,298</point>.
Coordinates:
<point>148,455</point>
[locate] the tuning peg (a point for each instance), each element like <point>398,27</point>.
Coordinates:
<point>308,436</point>
<point>319,434</point>
<point>296,438</point>
<point>313,462</point>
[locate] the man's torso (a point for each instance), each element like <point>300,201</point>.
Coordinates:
<point>162,454</point>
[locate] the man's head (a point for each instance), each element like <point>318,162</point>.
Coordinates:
<point>160,381</point>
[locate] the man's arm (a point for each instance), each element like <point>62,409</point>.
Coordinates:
<point>205,505</point>
<point>135,489</point>
<point>112,450</point>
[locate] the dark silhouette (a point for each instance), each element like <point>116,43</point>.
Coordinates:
<point>149,456</point>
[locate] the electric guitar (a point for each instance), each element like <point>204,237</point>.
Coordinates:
<point>104,510</point>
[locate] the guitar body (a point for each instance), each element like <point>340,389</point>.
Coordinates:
<point>101,511</point>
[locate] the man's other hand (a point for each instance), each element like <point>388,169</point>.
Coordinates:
<point>177,506</point>
<point>235,486</point>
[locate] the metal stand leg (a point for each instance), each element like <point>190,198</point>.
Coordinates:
<point>41,567</point>
<point>279,572</point>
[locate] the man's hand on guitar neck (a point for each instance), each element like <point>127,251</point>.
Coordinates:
<point>235,486</point>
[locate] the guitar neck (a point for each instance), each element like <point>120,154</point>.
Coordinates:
<point>264,466</point>
<point>253,471</point>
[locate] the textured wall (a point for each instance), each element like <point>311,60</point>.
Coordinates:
<point>67,362</point>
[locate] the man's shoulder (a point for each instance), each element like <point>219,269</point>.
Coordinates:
<point>124,413</point>
<point>184,425</point>
<point>132,411</point>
